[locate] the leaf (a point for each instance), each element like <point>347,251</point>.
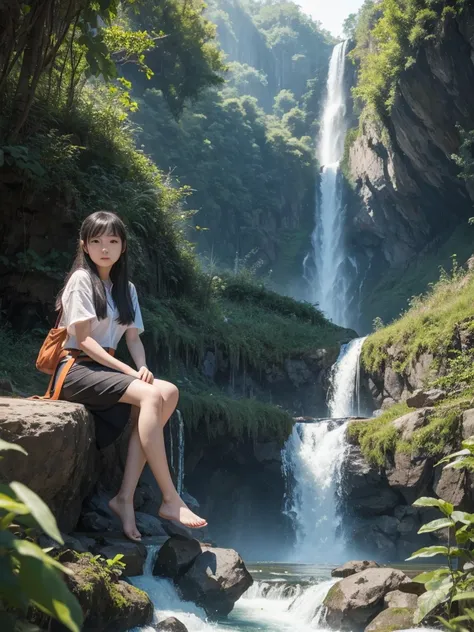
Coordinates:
<point>422,578</point>
<point>429,551</point>
<point>24,548</point>
<point>436,525</point>
<point>463,516</point>
<point>13,506</point>
<point>464,595</point>
<point>468,443</point>
<point>6,445</point>
<point>39,510</point>
<point>446,508</point>
<point>428,602</point>
<point>48,592</point>
<point>448,458</point>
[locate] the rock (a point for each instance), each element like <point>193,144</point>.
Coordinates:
<point>399,599</point>
<point>392,619</point>
<point>410,475</point>
<point>92,521</point>
<point>176,556</point>
<point>420,398</point>
<point>171,624</point>
<point>173,528</point>
<point>191,502</point>
<point>355,600</point>
<point>108,603</point>
<point>468,423</point>
<point>451,485</point>
<point>5,386</point>
<point>408,518</point>
<point>134,555</point>
<point>407,424</point>
<point>61,466</point>
<point>215,581</point>
<point>298,372</point>
<point>267,451</point>
<point>86,543</point>
<point>149,525</point>
<point>350,568</point>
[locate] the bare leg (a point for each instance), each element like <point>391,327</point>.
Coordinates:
<point>150,431</point>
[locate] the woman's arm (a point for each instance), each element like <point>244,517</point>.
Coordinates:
<point>137,351</point>
<point>93,349</point>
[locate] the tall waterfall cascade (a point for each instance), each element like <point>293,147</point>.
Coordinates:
<point>326,276</point>
<point>312,463</point>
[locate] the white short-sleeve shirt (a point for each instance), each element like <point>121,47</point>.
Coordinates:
<point>78,306</point>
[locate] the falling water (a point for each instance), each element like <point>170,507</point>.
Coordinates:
<point>344,391</point>
<point>328,284</point>
<point>180,480</point>
<point>312,463</point>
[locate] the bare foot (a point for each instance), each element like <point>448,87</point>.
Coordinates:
<point>126,513</point>
<point>177,510</point>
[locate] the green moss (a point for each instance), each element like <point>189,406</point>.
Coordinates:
<point>334,597</point>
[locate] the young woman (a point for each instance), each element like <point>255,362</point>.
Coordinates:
<point>99,304</point>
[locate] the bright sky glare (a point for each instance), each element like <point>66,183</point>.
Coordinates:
<point>331,13</point>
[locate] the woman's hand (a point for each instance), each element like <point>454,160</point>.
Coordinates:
<point>145,375</point>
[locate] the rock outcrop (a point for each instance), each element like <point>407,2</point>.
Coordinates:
<point>211,577</point>
<point>62,461</point>
<point>354,601</point>
<point>171,624</point>
<point>351,568</point>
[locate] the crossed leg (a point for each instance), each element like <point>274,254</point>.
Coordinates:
<point>153,405</point>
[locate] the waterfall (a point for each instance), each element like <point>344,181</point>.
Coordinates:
<point>180,479</point>
<point>344,390</point>
<point>326,276</point>
<point>312,461</point>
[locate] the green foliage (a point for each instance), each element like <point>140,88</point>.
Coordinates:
<point>459,370</point>
<point>30,577</point>
<point>428,325</point>
<point>388,35</point>
<point>351,136</point>
<point>465,158</point>
<point>284,102</point>
<point>446,587</point>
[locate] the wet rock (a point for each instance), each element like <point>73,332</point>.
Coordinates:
<point>176,556</point>
<point>61,466</point>
<point>92,521</point>
<point>399,599</point>
<point>215,581</point>
<point>149,525</point>
<point>171,624</point>
<point>173,528</point>
<point>108,603</point>
<point>392,619</point>
<point>355,600</point>
<point>134,555</point>
<point>350,568</point>
<point>468,423</point>
<point>421,398</point>
<point>451,485</point>
<point>298,372</point>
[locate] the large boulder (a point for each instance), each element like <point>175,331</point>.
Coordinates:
<point>171,624</point>
<point>421,398</point>
<point>392,619</point>
<point>176,556</point>
<point>409,423</point>
<point>134,554</point>
<point>351,568</point>
<point>400,599</point>
<point>410,475</point>
<point>354,601</point>
<point>108,603</point>
<point>62,464</point>
<point>215,581</point>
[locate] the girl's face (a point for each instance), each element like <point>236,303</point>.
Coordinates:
<point>104,250</point>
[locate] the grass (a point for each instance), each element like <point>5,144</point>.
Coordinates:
<point>429,324</point>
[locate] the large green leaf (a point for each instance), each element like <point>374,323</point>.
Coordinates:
<point>48,592</point>
<point>436,525</point>
<point>8,504</point>
<point>463,516</point>
<point>10,585</point>
<point>463,596</point>
<point>446,508</point>
<point>6,445</point>
<point>39,510</point>
<point>429,551</point>
<point>428,602</point>
<point>29,549</point>
<point>422,578</point>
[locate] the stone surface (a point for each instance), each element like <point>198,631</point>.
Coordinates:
<point>407,424</point>
<point>410,475</point>
<point>108,603</point>
<point>468,423</point>
<point>134,555</point>
<point>149,525</point>
<point>350,568</point>
<point>171,624</point>
<point>61,465</point>
<point>392,619</point>
<point>215,581</point>
<point>399,599</point>
<point>6,387</point>
<point>451,485</point>
<point>176,556</point>
<point>356,600</point>
<point>421,398</point>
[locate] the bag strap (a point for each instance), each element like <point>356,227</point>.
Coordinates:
<point>58,319</point>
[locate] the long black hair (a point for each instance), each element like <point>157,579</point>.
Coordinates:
<point>95,225</point>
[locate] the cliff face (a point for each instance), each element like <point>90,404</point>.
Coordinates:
<point>408,189</point>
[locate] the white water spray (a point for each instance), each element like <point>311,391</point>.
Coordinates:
<point>329,286</point>
<point>344,400</point>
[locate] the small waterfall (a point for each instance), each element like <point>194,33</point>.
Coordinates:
<point>344,390</point>
<point>326,276</point>
<point>312,461</point>
<point>180,480</point>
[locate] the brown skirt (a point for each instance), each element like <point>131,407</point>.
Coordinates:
<point>99,389</point>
